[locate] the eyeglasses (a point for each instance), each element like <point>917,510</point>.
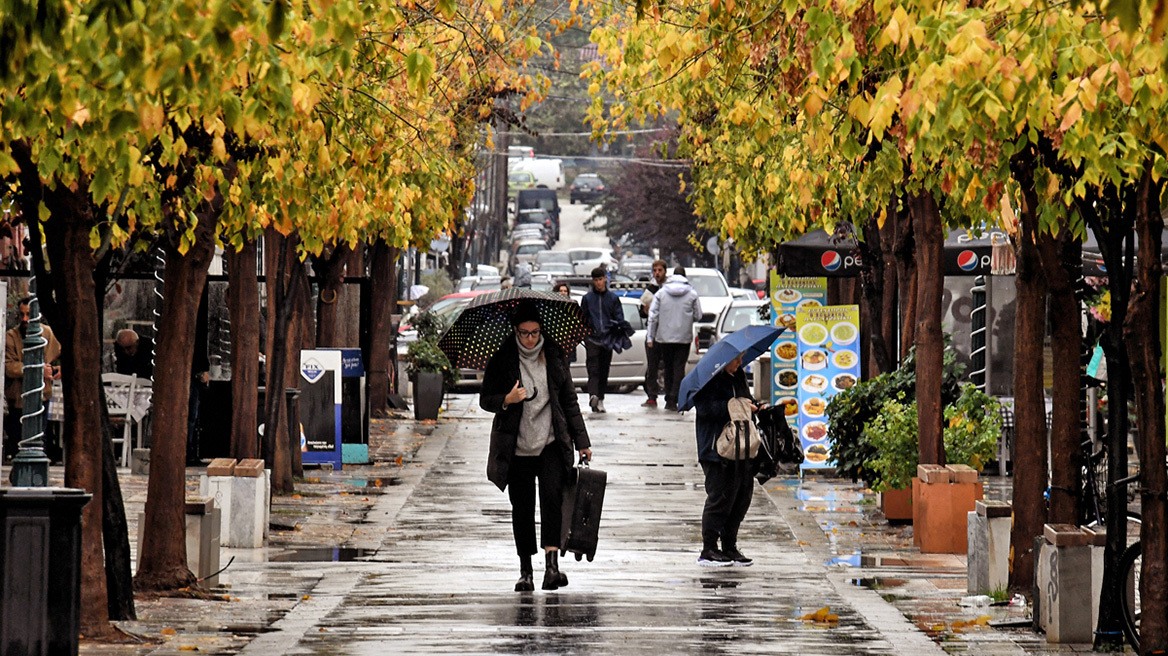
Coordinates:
<point>529,333</point>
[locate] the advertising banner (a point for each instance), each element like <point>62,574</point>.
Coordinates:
<point>829,362</point>
<point>320,407</point>
<point>787,296</point>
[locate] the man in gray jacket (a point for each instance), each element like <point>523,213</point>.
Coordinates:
<point>674,310</point>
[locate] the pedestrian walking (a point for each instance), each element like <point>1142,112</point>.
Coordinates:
<point>652,353</point>
<point>672,314</point>
<point>537,430</point>
<point>610,332</point>
<point>729,483</point>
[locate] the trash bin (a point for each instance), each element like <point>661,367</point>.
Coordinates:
<point>354,408</point>
<point>40,570</point>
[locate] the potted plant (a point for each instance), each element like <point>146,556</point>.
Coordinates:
<point>428,367</point>
<point>850,411</point>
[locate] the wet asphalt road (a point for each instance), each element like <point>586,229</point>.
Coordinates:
<point>441,580</point>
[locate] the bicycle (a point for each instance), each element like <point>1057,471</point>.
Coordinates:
<point>1130,563</point>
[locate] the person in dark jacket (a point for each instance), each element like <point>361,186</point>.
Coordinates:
<point>537,430</point>
<point>609,332</point>
<point>729,483</point>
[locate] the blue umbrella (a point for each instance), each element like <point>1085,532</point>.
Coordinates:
<point>750,342</point>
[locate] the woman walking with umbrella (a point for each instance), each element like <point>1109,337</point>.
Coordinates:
<point>536,432</point>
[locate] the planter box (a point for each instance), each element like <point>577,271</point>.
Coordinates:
<point>897,505</point>
<point>940,514</point>
<point>427,395</point>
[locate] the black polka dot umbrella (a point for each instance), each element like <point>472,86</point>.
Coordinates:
<point>481,329</point>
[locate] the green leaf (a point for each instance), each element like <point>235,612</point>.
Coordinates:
<point>276,19</point>
<point>447,8</point>
<point>419,70</point>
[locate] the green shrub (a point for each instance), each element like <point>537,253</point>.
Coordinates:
<point>852,409</point>
<point>424,354</point>
<point>971,431</point>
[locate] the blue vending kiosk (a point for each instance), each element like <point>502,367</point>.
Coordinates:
<point>320,407</point>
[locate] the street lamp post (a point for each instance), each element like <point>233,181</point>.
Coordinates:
<point>30,466</point>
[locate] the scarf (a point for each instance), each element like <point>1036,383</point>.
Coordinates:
<point>535,428</point>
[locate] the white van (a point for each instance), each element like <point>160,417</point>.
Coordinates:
<point>548,172</point>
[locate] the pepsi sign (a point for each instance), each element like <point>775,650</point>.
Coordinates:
<point>967,260</point>
<point>833,261</point>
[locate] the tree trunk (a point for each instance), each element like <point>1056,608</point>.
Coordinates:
<point>162,563</point>
<point>243,301</point>
<point>119,570</point>
<point>1030,460</point>
<point>282,294</point>
<point>331,270</point>
<point>349,305</point>
<point>1062,263</point>
<point>67,237</point>
<point>930,342</point>
<point>301,335</point>
<point>1142,330</point>
<point>906,274</point>
<point>384,304</point>
<point>872,279</point>
<point>888,296</point>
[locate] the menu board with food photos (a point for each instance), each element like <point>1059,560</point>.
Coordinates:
<point>787,296</point>
<point>829,362</point>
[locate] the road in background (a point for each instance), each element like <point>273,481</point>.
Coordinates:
<point>573,234</point>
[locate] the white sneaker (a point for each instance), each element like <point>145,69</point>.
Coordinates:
<point>593,402</point>
<point>600,405</point>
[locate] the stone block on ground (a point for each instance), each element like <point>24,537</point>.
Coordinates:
<point>249,508</point>
<point>988,547</point>
<point>140,462</point>
<point>221,467</point>
<point>1063,579</point>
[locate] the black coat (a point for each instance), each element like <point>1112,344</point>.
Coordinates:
<point>713,415</point>
<point>567,423</point>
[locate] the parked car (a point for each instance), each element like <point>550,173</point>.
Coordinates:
<point>742,313</point>
<point>637,269</point>
<point>586,188</point>
<point>539,217</point>
<point>712,290</point>
<point>545,257</point>
<point>524,251</point>
<point>517,180</point>
<point>558,269</point>
<point>540,199</point>
<point>628,366</point>
<point>528,231</point>
<point>587,259</point>
<point>741,293</point>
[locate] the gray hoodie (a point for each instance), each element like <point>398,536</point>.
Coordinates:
<point>673,312</point>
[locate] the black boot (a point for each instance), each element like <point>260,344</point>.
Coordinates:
<point>552,576</point>
<point>526,582</point>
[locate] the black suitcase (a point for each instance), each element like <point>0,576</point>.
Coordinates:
<point>583,501</point>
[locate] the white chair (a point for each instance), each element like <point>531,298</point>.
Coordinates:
<point>140,407</point>
<point>119,395</point>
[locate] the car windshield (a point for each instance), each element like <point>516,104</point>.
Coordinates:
<point>533,217</point>
<point>553,256</point>
<point>521,176</point>
<point>488,283</point>
<point>580,256</point>
<point>587,179</point>
<point>738,318</point>
<point>529,249</point>
<point>707,285</point>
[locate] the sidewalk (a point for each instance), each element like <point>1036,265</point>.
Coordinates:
<point>414,555</point>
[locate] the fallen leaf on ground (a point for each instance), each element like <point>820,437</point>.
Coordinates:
<point>188,648</point>
<point>821,616</point>
<point>398,461</point>
<point>168,631</point>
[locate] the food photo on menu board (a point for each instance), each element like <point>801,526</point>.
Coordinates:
<point>787,294</point>
<point>827,338</point>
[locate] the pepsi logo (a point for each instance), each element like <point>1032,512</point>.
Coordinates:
<point>967,260</point>
<point>831,260</point>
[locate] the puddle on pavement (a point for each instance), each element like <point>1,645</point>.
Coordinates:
<point>322,554</point>
<point>878,583</point>
<point>852,560</point>
<point>373,482</point>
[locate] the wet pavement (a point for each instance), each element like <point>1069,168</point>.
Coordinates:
<point>413,555</point>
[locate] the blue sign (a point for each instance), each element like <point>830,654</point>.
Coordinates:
<point>351,364</point>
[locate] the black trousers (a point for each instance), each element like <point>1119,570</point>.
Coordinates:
<point>653,362</point>
<point>729,489</point>
<point>598,363</point>
<point>548,467</point>
<point>673,359</point>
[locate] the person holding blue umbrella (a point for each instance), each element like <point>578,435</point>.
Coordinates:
<point>717,379</point>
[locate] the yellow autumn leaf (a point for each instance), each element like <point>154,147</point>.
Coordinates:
<point>1073,113</point>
